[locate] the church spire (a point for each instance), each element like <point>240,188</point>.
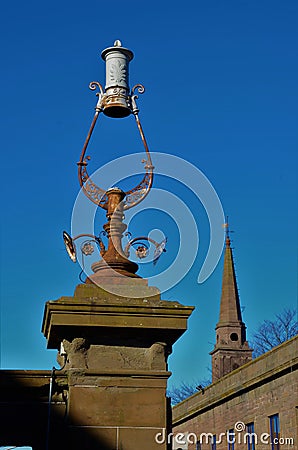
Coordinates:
<point>231,349</point>
<point>229,304</point>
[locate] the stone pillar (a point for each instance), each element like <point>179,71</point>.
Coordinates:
<point>117,349</point>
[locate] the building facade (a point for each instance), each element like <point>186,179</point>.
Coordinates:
<point>259,398</point>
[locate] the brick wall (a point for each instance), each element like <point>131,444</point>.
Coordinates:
<point>265,386</point>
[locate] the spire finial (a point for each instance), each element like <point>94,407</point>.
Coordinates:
<point>227,231</point>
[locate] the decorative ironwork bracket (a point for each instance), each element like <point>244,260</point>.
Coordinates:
<point>96,194</point>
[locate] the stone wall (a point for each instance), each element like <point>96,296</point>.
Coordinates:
<point>24,409</point>
<point>265,386</point>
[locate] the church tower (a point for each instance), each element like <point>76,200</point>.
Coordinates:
<point>231,349</point>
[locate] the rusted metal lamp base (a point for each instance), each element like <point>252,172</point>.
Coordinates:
<point>114,262</point>
<point>116,272</point>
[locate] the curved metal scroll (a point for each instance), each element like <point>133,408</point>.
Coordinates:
<point>159,247</point>
<point>94,192</point>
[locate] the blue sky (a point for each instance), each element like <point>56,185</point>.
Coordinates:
<point>221,93</point>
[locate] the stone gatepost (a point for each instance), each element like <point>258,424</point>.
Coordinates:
<point>117,348</point>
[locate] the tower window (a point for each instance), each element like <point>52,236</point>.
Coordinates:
<point>234,337</point>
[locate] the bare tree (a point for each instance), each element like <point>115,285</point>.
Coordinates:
<point>185,390</point>
<point>274,332</point>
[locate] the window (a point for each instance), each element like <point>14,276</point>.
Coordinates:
<point>234,337</point>
<point>10,447</point>
<point>274,432</point>
<point>213,443</point>
<point>250,436</point>
<point>231,439</point>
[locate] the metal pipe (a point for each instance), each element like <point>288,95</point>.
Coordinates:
<point>50,401</point>
<point>49,408</point>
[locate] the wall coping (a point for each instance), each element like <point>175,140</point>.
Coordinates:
<point>270,365</point>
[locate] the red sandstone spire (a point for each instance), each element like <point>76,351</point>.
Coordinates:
<point>231,349</point>
<point>230,311</point>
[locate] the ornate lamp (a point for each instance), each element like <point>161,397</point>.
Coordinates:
<point>117,100</point>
